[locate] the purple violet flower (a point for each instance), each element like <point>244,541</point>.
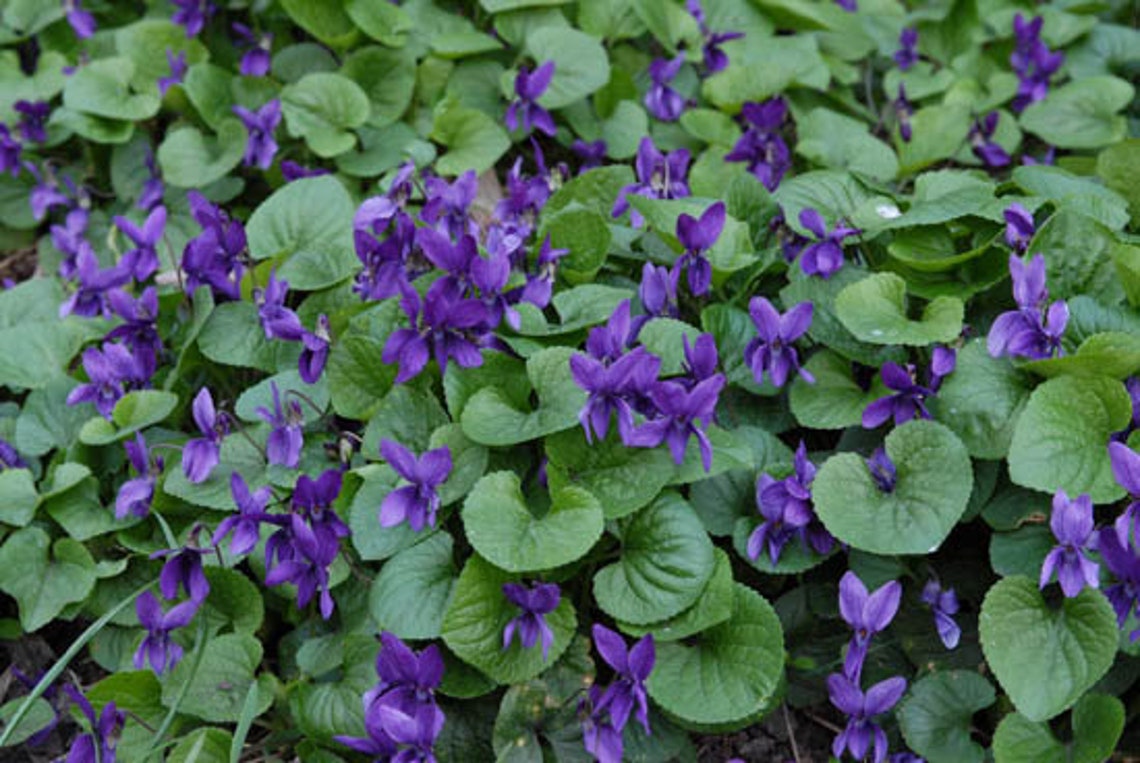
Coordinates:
<point>111,371</point>
<point>418,502</point>
<point>246,524</point>
<point>213,258</point>
<point>848,5</point>
<point>1126,470</point>
<point>882,469</point>
<point>98,744</point>
<point>80,20</point>
<point>261,124</point>
<point>69,239</point>
<point>715,59</point>
<point>146,240</point>
<point>908,401</point>
<point>859,733</point>
<point>92,298</point>
<point>632,667</point>
<point>658,290</point>
<point>907,54</point>
<point>944,602</point>
<point>867,614</point>
<point>10,457</point>
<point>524,110</point>
<point>140,328</point>
<point>33,120</point>
<point>46,194</point>
<point>591,153</point>
<point>1019,227</point>
<point>771,351</point>
<point>698,236</point>
<point>135,495</point>
<point>659,176</point>
<point>824,257</point>
<point>256,60</point>
<point>178,69</point>
<point>761,145</point>
<point>662,101</point>
<point>599,735</point>
<point>1032,62</point>
<point>201,455</point>
<point>980,137</point>
<point>277,321</point>
<point>535,602</point>
<point>681,413</point>
<point>1072,526</point>
<point>157,648</point>
<point>1026,332</point>
<point>904,111</point>
<point>291,170</point>
<point>1122,561</point>
<point>445,205</point>
<point>183,569</point>
<point>286,438</point>
<point>787,510</point>
<point>153,189</point>
<point>10,149</point>
<point>192,14</point>
<point>444,325</point>
<point>315,352</point>
<point>613,387</point>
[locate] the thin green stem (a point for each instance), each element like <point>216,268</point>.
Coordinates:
<point>199,650</point>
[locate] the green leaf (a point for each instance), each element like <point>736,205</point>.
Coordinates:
<point>1077,193</point>
<point>233,336</point>
<point>1117,165</point>
<point>1112,353</point>
<point>1045,657</point>
<point>875,311</point>
<point>18,497</point>
<point>358,378</point>
<point>147,42</point>
<point>474,140</point>
<point>623,130</point>
<point>665,338</point>
<point>324,19</point>
<point>581,65</point>
<point>209,89</point>
<point>1019,740</point>
<point>234,601</point>
<point>834,194</point>
<point>324,108</point>
<point>585,232</point>
<point>1078,257</point>
<point>507,533</point>
<point>135,411</point>
<point>237,455</point>
<point>835,400</point>
<point>839,142</point>
<point>406,415</point>
<point>468,462</point>
<point>1081,114</point>
<point>621,479</point>
<point>474,622</point>
<point>189,159</point>
<point>371,541</point>
<point>217,689</point>
<point>595,190</point>
<point>386,23</point>
<point>35,353</point>
<point>982,400</point>
<point>290,386</point>
<point>796,557</point>
<point>1098,722</point>
<point>1059,440</point>
<point>44,584</point>
<point>731,674</point>
<point>202,745</point>
<point>38,717</point>
<point>931,491</point>
<point>713,607</point>
<point>103,88</point>
<point>666,561</point>
<point>491,418</point>
<point>411,593</point>
<point>387,77</point>
<point>308,221</point>
<point>759,71</point>
<point>937,713</point>
<point>733,329</point>
<point>1022,551</point>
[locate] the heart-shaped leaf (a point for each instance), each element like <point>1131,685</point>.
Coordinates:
<point>937,713</point>
<point>835,400</point>
<point>931,491</point>
<point>505,531</point>
<point>410,594</point>
<point>1046,657</point>
<point>875,311</point>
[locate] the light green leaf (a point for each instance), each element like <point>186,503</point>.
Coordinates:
<point>835,400</point>
<point>1059,442</point>
<point>387,77</point>
<point>982,400</point>
<point>1045,657</point>
<point>731,674</point>
<point>324,19</point>
<point>931,491</point>
<point>217,689</point>
<point>875,311</point>
<point>474,622</point>
<point>44,584</point>
<point>713,607</point>
<point>411,593</point>
<point>1081,114</point>
<point>474,140</point>
<point>384,22</point>
<point>937,714</point>
<point>839,142</point>
<point>309,219</point>
<point>1077,193</point>
<point>134,411</point>
<point>585,233</point>
<point>1078,257</point>
<point>202,745</point>
<point>233,336</point>
<point>323,108</point>
<point>581,65</point>
<point>189,159</point>
<point>147,42</point>
<point>512,536</point>
<point>666,561</point>
<point>18,497</point>
<point>103,88</point>
<point>766,68</point>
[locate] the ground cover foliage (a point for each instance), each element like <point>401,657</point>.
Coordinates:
<point>557,380</point>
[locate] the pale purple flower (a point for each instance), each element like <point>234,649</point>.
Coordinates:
<point>315,352</point>
<point>178,69</point>
<point>192,14</point>
<point>772,350</point>
<point>1027,332</point>
<point>277,321</point>
<point>658,290</point>
<point>80,20</point>
<point>944,603</point>
<point>418,502</point>
<point>139,330</point>
<point>1072,526</point>
<point>761,146</point>
<point>535,602</point>
<point>111,372</point>
<point>861,732</point>
<point>1019,228</point>
<point>135,495</point>
<point>659,176</point>
<point>286,438</point>
<point>201,455</point>
<point>867,614</point>
<point>256,60</point>
<point>661,100</point>
<point>92,297</point>
<point>823,257</point>
<point>146,240</point>
<point>1032,61</point>
<point>261,124</point>
<point>524,110</point>
<point>446,204</point>
<point>158,648</point>
<point>632,667</point>
<point>698,236</point>
<point>246,524</point>
<point>982,143</point>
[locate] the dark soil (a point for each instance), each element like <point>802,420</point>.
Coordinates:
<point>785,736</point>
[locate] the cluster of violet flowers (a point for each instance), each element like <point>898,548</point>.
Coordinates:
<point>909,397</point>
<point>401,717</point>
<point>1032,62</point>
<point>787,512</point>
<point>621,378</point>
<point>457,316</point>
<point>605,711</point>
